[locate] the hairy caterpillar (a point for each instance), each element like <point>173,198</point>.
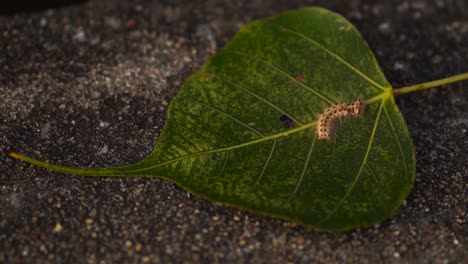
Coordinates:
<point>334,112</point>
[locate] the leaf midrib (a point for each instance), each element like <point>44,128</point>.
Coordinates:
<point>248,143</point>
<point>241,145</point>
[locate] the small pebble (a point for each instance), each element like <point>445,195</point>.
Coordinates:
<point>384,27</point>
<point>58,228</point>
<point>42,22</point>
<point>128,244</point>
<point>79,36</point>
<point>138,247</point>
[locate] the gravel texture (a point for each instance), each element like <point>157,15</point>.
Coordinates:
<point>89,85</point>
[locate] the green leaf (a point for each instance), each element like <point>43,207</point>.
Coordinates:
<point>242,129</point>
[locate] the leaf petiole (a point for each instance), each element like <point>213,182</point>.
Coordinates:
<point>427,85</point>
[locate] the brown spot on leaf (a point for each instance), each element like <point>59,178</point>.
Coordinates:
<point>300,77</point>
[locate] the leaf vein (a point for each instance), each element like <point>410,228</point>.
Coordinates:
<point>304,169</point>
<point>278,69</point>
<point>364,161</point>
<point>230,117</point>
<point>398,142</point>
<point>254,95</point>
<point>332,54</point>
<point>374,176</point>
<point>203,138</point>
<point>265,166</point>
<point>193,122</point>
<point>224,164</point>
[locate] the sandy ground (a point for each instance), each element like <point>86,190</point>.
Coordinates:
<point>89,85</point>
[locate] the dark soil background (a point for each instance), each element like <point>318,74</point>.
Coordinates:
<point>89,85</point>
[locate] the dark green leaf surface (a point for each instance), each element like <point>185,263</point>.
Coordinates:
<point>226,140</point>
